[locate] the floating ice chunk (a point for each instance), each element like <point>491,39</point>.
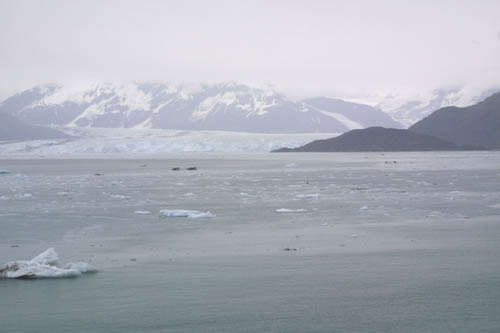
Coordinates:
<point>192,214</point>
<point>23,195</point>
<point>364,208</point>
<point>81,266</point>
<point>291,165</point>
<point>286,210</point>
<point>189,194</point>
<point>4,172</point>
<point>120,196</point>
<point>26,269</point>
<point>142,212</point>
<point>47,257</point>
<point>312,195</point>
<point>43,265</point>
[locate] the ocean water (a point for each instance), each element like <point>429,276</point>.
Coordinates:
<point>394,242</point>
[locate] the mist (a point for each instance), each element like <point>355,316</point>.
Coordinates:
<point>335,48</point>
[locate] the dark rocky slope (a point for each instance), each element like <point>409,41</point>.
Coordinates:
<point>378,139</point>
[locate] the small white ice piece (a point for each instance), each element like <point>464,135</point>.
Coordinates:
<point>286,210</point>
<point>24,196</point>
<point>120,196</point>
<point>142,212</point>
<point>311,196</point>
<point>192,214</point>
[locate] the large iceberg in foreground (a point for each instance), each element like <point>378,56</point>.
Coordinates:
<point>44,265</point>
<point>192,214</point>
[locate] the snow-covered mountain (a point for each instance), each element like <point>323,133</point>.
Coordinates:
<point>409,110</point>
<point>221,107</point>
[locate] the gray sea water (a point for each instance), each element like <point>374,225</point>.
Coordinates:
<point>394,242</point>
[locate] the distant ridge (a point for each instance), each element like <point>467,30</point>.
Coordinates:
<point>378,139</point>
<point>478,124</point>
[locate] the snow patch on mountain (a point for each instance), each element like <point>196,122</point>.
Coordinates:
<point>350,124</point>
<point>208,104</point>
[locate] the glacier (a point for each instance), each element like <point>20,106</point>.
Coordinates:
<point>125,140</point>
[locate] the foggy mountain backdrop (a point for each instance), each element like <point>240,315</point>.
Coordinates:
<point>222,107</point>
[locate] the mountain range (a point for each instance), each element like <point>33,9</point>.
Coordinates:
<point>450,128</point>
<point>221,107</point>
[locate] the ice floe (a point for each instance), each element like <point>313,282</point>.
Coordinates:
<point>120,196</point>
<point>23,195</point>
<point>286,210</point>
<point>44,265</point>
<point>311,196</point>
<point>142,212</point>
<point>3,172</point>
<point>81,266</point>
<point>192,214</point>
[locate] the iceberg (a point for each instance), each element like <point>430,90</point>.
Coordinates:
<point>44,265</point>
<point>3,172</point>
<point>192,214</point>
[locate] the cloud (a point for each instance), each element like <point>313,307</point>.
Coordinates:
<point>325,48</point>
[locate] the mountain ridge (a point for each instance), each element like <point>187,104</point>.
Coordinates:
<point>378,139</point>
<point>478,124</point>
<point>223,107</point>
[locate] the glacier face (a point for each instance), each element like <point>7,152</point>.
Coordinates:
<point>91,140</point>
<point>220,107</point>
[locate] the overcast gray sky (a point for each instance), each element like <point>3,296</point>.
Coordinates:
<point>337,48</point>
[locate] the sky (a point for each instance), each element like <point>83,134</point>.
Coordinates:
<point>303,48</point>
